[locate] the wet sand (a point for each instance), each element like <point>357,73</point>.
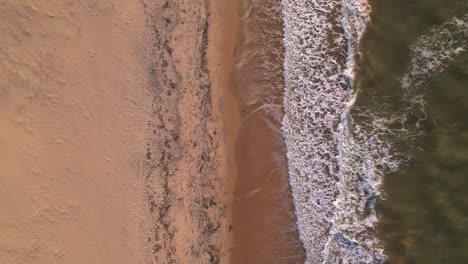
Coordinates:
<point>263,222</point>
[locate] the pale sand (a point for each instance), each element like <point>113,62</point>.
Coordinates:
<point>72,91</point>
<point>111,138</point>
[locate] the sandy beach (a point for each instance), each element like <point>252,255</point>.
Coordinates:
<point>111,143</point>
<point>184,175</point>
<point>73,97</point>
<point>138,132</point>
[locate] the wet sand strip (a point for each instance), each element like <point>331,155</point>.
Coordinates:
<point>263,221</point>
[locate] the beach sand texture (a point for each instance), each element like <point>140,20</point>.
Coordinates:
<point>184,172</point>
<point>72,97</point>
<point>137,132</point>
<point>109,143</point>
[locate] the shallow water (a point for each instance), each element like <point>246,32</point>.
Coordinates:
<point>424,218</point>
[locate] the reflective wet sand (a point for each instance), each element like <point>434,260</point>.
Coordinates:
<point>264,227</point>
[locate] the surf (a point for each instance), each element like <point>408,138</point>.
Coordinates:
<point>338,154</point>
<point>334,179</point>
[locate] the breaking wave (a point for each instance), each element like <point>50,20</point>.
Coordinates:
<point>336,163</point>
<point>334,178</point>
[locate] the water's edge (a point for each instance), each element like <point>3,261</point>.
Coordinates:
<point>334,177</point>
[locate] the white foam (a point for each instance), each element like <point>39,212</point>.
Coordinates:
<point>336,164</point>
<point>430,55</point>
<point>333,176</point>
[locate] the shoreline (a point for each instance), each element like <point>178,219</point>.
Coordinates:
<point>263,219</point>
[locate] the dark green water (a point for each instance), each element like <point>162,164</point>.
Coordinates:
<point>425,213</point>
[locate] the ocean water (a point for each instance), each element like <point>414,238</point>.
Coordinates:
<point>415,64</point>
<point>374,101</point>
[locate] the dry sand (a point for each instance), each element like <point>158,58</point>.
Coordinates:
<point>110,138</point>
<point>185,183</point>
<point>71,116</point>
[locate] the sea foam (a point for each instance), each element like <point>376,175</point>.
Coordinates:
<point>334,178</point>
<point>429,55</point>
<point>337,164</point>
